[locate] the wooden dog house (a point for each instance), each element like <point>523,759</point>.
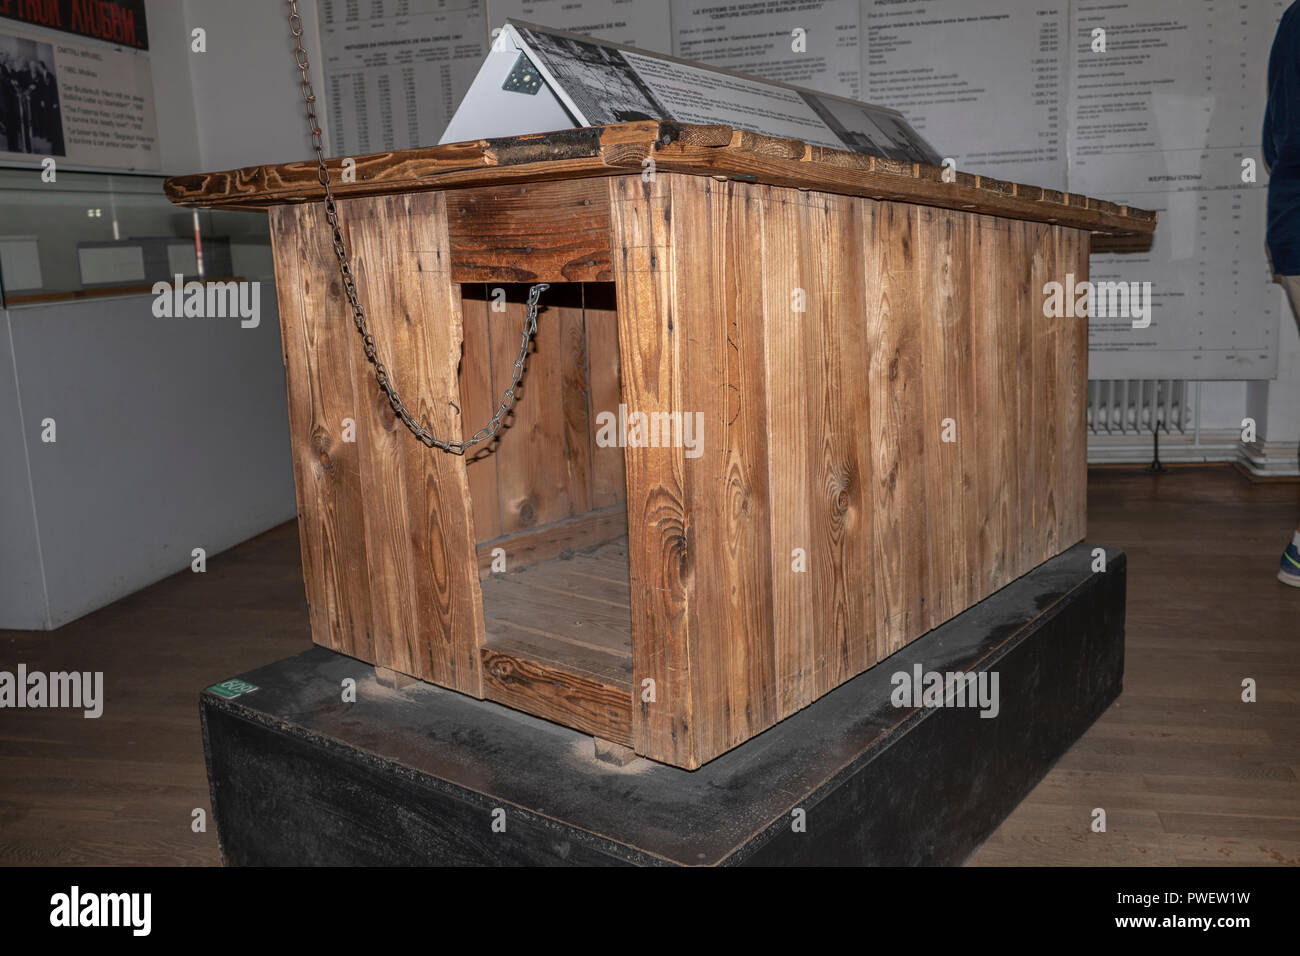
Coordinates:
<point>891,428</point>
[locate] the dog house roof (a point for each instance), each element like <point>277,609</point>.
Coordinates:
<point>718,151</point>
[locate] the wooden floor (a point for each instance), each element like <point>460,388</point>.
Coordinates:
<point>573,612</point>
<point>1186,772</point>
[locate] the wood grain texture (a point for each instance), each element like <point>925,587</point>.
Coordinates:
<point>991,419</point>
<point>318,344</point>
<point>544,450</point>
<point>557,691</point>
<point>545,464</point>
<point>1043,417</point>
<point>1002,282</point>
<point>1072,377</point>
<point>692,332</point>
<point>960,380</point>
<point>787,368</point>
<point>559,640</point>
<point>897,435</point>
<point>561,154</point>
<point>419,541</point>
<point>478,404</point>
<point>837,404</point>
<point>906,317</point>
<point>788,474</point>
<point>947,422</point>
<point>1025,314</point>
<point>813,521</point>
<point>600,319</point>
<point>715,151</point>
<point>542,543</point>
<point>722,314</point>
<point>661,559</point>
<point>530,232</point>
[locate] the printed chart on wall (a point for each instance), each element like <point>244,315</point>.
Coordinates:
<point>805,44</point>
<point>983,80</point>
<point>1164,119</point>
<point>75,88</point>
<point>394,70</point>
<point>633,22</point>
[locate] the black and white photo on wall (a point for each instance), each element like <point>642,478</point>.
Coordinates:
<point>30,121</point>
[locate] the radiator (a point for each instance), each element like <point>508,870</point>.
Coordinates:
<point>1136,406</point>
<point>1123,412</point>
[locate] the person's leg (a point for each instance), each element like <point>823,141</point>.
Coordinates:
<point>1289,573</point>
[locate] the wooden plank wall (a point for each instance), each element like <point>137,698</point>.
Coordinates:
<point>545,466</point>
<point>826,341</point>
<point>824,432</point>
<point>388,540</point>
<point>389,528</point>
<point>316,336</point>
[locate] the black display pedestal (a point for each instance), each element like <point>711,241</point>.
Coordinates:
<point>424,775</point>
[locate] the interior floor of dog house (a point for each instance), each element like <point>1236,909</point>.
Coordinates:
<point>546,496</point>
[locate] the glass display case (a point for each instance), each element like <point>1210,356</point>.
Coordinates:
<point>95,234</point>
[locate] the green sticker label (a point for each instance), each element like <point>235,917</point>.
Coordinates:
<point>231,689</point>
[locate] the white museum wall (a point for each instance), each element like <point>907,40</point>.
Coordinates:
<point>22,584</point>
<point>169,55</point>
<point>247,99</point>
<point>171,434</point>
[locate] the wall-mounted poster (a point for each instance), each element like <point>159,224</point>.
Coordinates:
<point>1163,118</point>
<point>395,69</point>
<point>634,22</point>
<point>985,79</point>
<point>120,22</point>
<point>87,105</point>
<point>809,43</point>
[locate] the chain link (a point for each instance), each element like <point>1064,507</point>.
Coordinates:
<point>350,287</point>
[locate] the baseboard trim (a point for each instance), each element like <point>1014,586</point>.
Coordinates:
<point>1270,459</point>
<point>1208,447</point>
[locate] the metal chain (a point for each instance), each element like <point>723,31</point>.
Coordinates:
<point>350,287</point>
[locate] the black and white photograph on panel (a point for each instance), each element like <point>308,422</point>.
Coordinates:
<point>30,121</point>
<point>598,78</point>
<point>865,129</point>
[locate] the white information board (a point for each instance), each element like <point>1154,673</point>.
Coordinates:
<point>86,104</point>
<point>636,23</point>
<point>983,80</point>
<point>1163,119</point>
<point>394,70</point>
<point>808,44</point>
